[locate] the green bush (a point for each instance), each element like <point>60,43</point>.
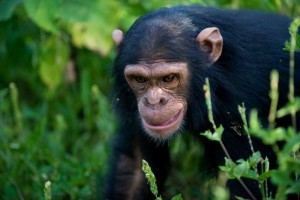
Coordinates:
<point>56,119</point>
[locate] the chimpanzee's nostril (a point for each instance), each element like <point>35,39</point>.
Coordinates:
<point>163,101</point>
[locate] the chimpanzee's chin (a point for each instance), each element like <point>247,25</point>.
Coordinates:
<point>160,137</point>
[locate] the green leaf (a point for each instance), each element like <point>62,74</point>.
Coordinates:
<point>251,174</point>
<point>264,176</point>
<point>83,9</point>
<point>44,13</point>
<point>7,8</point>
<point>239,198</point>
<point>53,60</point>
<point>289,108</point>
<point>292,145</point>
<point>241,169</point>
<point>150,177</point>
<point>281,177</point>
<point>92,37</point>
<point>242,111</point>
<point>228,168</point>
<point>267,136</point>
<point>287,44</point>
<point>177,197</point>
<point>87,26</point>
<point>294,33</point>
<point>274,135</point>
<point>216,136</point>
<point>47,190</point>
<point>255,159</point>
<point>254,123</point>
<point>294,189</point>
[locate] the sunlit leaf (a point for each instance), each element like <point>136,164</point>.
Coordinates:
<point>264,176</point>
<point>255,159</point>
<point>241,169</point>
<point>294,33</point>
<point>289,108</point>
<point>266,135</point>
<point>83,9</point>
<point>92,37</point>
<point>150,177</point>
<point>44,13</point>
<point>292,145</point>
<point>228,168</point>
<point>251,174</point>
<point>216,136</point>
<point>53,60</point>
<point>254,122</point>
<point>177,197</point>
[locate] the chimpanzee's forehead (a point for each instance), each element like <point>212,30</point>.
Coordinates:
<point>174,23</point>
<point>164,34</point>
<point>160,39</point>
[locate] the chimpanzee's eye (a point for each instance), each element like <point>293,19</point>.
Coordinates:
<point>169,78</point>
<point>170,81</point>
<point>140,79</point>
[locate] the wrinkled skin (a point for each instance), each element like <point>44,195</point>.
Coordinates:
<point>160,90</point>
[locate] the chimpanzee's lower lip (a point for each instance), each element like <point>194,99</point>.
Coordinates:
<point>167,124</point>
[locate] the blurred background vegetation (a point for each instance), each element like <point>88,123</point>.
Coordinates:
<point>56,120</point>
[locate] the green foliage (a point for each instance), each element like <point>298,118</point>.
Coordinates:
<point>294,45</point>
<point>43,13</point>
<point>14,96</point>
<point>7,7</point>
<point>177,197</point>
<point>217,134</point>
<point>48,148</point>
<point>285,176</point>
<point>53,58</point>
<point>56,119</point>
<point>152,181</point>
<point>47,190</point>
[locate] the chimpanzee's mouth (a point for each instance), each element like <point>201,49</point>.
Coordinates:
<point>165,125</point>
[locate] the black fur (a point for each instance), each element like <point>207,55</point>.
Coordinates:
<point>253,46</point>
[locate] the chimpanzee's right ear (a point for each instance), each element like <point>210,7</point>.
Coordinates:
<point>117,36</point>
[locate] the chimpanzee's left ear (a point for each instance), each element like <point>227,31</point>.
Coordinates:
<point>117,36</point>
<point>211,41</point>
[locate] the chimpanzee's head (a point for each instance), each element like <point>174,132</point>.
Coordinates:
<point>156,56</point>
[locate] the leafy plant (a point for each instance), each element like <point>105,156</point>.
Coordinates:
<point>152,181</point>
<point>288,156</point>
<point>55,115</point>
<point>47,190</point>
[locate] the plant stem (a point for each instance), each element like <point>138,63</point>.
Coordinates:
<point>274,98</point>
<point>239,179</point>
<point>14,95</point>
<point>293,29</point>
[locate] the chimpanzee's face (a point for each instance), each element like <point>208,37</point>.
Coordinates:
<point>161,92</point>
<point>162,87</point>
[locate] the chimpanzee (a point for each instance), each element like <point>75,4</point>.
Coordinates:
<point>159,73</point>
